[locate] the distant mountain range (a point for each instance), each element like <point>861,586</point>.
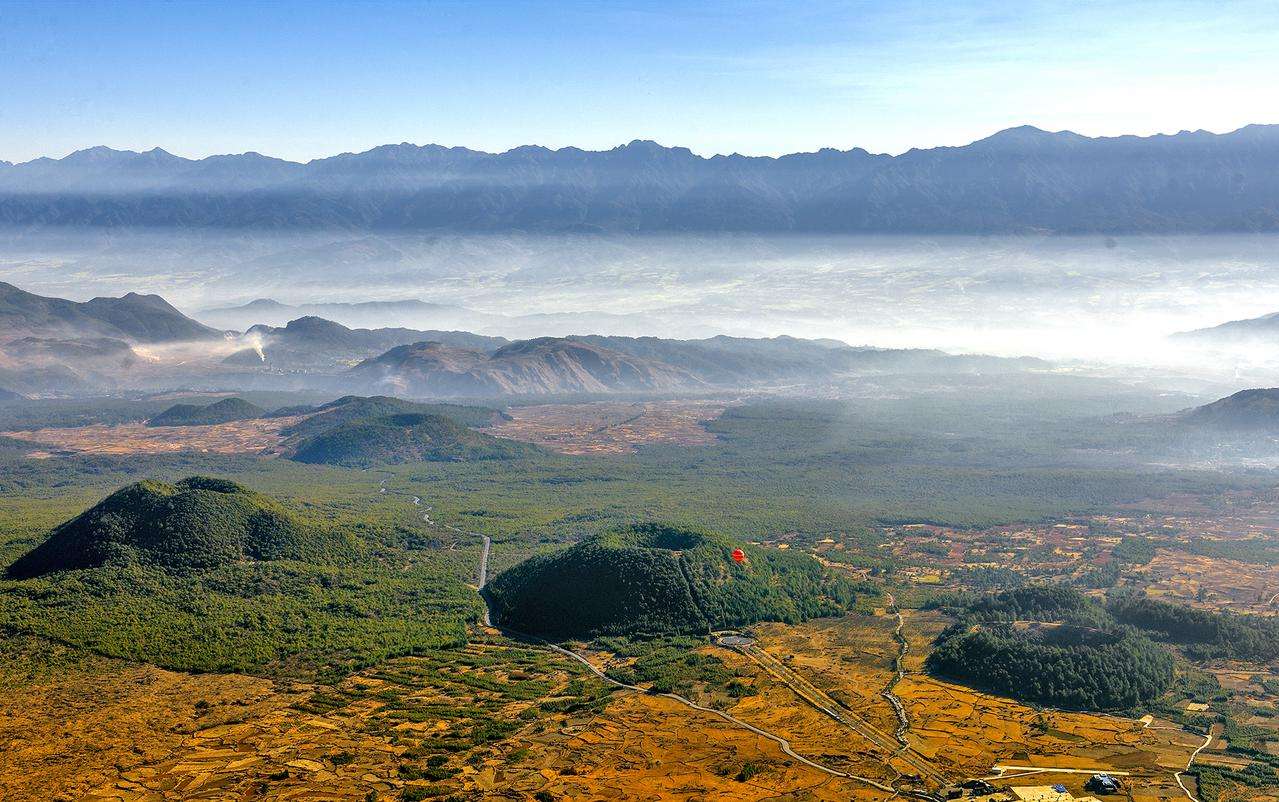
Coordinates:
<point>366,314</point>
<point>1262,330</point>
<point>130,318</point>
<point>313,342</point>
<point>1018,180</point>
<point>593,364</point>
<point>548,365</point>
<point>53,345</point>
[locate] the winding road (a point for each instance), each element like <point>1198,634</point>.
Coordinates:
<point>1193,755</point>
<point>482,580</point>
<point>899,673</point>
<point>828,706</point>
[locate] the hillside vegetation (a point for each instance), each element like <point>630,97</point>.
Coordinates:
<point>224,411</point>
<point>1051,646</point>
<point>351,408</point>
<point>406,437</point>
<point>317,585</point>
<point>1256,409</point>
<point>1203,634</point>
<point>362,432</point>
<point>658,579</point>
<point>197,523</point>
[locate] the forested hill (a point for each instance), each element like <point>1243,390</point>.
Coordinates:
<point>1021,179</point>
<point>1050,646</point>
<point>657,579</point>
<point>197,523</point>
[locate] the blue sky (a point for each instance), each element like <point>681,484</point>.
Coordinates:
<point>301,80</point>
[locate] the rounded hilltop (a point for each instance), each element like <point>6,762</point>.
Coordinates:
<point>194,524</point>
<point>228,410</point>
<point>405,437</point>
<point>1050,645</point>
<point>653,578</point>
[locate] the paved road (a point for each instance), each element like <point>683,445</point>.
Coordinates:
<point>824,704</point>
<point>484,578</point>
<point>1193,755</point>
<point>777,739</point>
<point>784,744</point>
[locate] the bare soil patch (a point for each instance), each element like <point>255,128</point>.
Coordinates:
<point>610,427</point>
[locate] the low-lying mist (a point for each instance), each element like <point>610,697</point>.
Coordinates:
<point>1093,299</point>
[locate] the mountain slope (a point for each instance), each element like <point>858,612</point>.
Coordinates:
<point>652,578</point>
<point>316,342</point>
<point>352,408</point>
<point>1262,330</point>
<point>528,367</point>
<point>403,438</point>
<point>1018,180</point>
<point>1246,410</point>
<point>198,523</point>
<point>224,411</point>
<point>132,317</point>
<point>364,432</point>
<point>364,314</point>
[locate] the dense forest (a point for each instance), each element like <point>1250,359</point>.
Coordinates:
<point>654,578</point>
<point>205,575</point>
<point>197,523</point>
<point>405,437</point>
<point>1204,635</point>
<point>224,411</point>
<point>1050,646</point>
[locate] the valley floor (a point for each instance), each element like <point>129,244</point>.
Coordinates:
<point>498,717</point>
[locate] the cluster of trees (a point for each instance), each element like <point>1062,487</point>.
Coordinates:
<point>275,618</point>
<point>653,578</point>
<point>405,437</point>
<point>224,411</point>
<point>1094,674</point>
<point>672,665</point>
<point>195,524</point>
<point>1203,634</point>
<point>1037,603</point>
<point>1053,646</point>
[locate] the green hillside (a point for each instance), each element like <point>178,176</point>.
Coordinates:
<point>197,523</point>
<point>360,432</point>
<point>352,408</point>
<point>1051,646</point>
<point>652,578</point>
<point>224,411</point>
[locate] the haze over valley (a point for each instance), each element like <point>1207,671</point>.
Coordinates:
<point>709,401</point>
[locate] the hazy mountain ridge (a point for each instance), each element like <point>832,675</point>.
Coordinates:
<point>1255,409</point>
<point>363,314</point>
<point>547,365</point>
<point>313,342</point>
<point>1020,179</point>
<point>1254,330</point>
<point>131,317</point>
<point>311,352</point>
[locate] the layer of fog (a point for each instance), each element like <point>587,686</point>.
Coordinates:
<point>1102,300</point>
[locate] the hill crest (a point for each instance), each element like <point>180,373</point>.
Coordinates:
<point>197,523</point>
<point>654,578</point>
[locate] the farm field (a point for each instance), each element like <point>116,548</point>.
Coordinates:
<point>422,702</point>
<point>610,427</point>
<point>260,436</point>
